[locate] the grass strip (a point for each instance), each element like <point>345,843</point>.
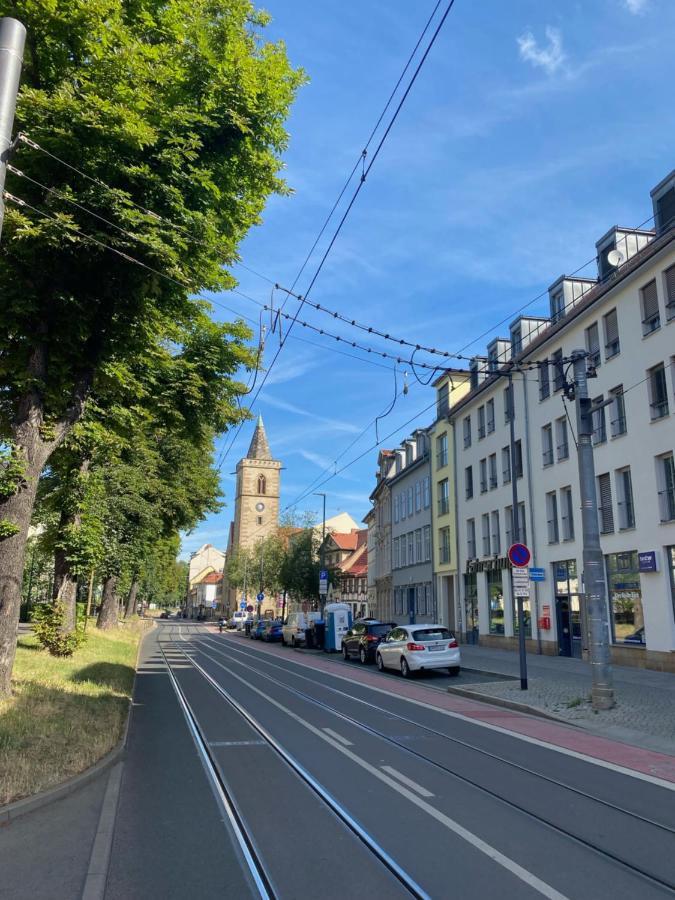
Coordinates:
<point>65,714</point>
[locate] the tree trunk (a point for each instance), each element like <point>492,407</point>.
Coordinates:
<point>65,591</point>
<point>107,617</point>
<point>131,599</point>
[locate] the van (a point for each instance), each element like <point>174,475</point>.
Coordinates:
<point>239,619</point>
<point>293,631</point>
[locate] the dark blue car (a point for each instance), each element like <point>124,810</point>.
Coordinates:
<point>272,632</point>
<point>258,628</point>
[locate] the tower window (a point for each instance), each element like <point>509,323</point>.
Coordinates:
<point>262,484</point>
<point>259,520</point>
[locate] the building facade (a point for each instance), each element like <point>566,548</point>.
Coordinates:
<point>380,524</point>
<point>625,321</point>
<point>414,599</point>
<point>450,387</point>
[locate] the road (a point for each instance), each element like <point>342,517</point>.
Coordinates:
<point>330,787</point>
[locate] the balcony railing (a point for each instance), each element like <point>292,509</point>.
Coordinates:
<point>563,450</point>
<point>651,324</point>
<point>659,408</point>
<point>443,506</point>
<point>506,475</point>
<point>618,426</point>
<point>441,458</point>
<point>667,504</point>
<point>547,456</point>
<point>626,514</point>
<point>483,487</point>
<point>613,348</point>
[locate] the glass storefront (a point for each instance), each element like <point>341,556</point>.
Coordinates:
<point>496,602</point>
<point>568,607</point>
<point>471,607</point>
<point>625,598</point>
<point>527,612</point>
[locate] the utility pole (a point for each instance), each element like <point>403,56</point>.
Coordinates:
<point>594,580</point>
<point>12,41</point>
<point>262,577</point>
<point>322,551</point>
<point>516,528</point>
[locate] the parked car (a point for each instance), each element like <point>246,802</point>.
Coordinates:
<point>257,628</point>
<point>411,648</point>
<point>293,631</point>
<point>363,639</point>
<point>239,619</point>
<point>272,632</point>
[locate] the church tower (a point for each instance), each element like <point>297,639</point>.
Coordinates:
<point>256,508</point>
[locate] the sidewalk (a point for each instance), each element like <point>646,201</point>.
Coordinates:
<point>644,714</point>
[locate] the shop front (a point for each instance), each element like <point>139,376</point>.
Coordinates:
<point>626,616</point>
<point>471,607</point>
<point>569,608</point>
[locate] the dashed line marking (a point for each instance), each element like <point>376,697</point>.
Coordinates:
<point>413,785</point>
<point>338,737</point>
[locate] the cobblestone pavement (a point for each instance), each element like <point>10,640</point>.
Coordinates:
<point>645,700</point>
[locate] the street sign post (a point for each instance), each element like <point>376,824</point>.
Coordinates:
<point>249,608</point>
<point>242,605</point>
<point>260,597</point>
<point>323,582</point>
<point>520,555</point>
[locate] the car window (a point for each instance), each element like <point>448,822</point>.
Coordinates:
<point>359,629</point>
<point>432,634</point>
<point>397,634</point>
<point>380,629</point>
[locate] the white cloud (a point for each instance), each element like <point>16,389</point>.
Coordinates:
<point>549,58</point>
<point>636,7</point>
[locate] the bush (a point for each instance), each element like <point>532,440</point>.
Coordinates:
<point>47,621</point>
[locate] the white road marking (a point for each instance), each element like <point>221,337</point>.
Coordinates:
<point>478,843</point>
<point>338,737</point>
<point>423,792</point>
<point>537,742</point>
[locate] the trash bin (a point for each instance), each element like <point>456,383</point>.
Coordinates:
<point>319,634</point>
<point>309,638</point>
<point>247,626</point>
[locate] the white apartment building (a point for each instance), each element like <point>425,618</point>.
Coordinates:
<point>625,320</point>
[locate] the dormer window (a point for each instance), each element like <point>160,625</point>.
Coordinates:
<point>262,484</point>
<point>665,211</point>
<point>557,306</point>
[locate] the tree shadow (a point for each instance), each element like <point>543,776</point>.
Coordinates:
<point>107,674</point>
<point>28,645</point>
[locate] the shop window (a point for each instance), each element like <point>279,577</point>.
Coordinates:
<point>625,598</point>
<point>496,602</point>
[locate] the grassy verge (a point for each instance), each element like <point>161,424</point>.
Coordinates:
<point>65,714</point>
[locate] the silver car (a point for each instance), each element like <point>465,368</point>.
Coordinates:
<point>411,648</point>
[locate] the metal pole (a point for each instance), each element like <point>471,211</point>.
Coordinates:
<point>594,579</point>
<point>12,41</point>
<point>322,551</point>
<point>516,530</point>
<point>262,563</point>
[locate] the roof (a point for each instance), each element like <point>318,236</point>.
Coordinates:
<point>211,578</point>
<point>356,564</point>
<point>352,540</point>
<point>260,448</point>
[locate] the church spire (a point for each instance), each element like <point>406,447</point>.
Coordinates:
<point>260,448</point>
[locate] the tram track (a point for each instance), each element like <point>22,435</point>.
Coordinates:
<point>253,857</point>
<point>667,883</point>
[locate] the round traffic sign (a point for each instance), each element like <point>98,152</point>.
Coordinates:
<point>519,555</point>
<point>249,608</point>
<point>242,605</point>
<point>260,597</point>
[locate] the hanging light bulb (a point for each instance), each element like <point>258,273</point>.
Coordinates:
<point>405,383</point>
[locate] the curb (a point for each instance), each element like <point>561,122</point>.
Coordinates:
<point>501,675</point>
<point>509,704</point>
<point>19,808</point>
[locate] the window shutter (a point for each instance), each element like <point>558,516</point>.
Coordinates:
<point>606,512</point>
<point>670,286</point>
<point>650,302</point>
<point>611,327</point>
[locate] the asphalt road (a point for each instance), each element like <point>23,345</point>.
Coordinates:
<point>340,790</point>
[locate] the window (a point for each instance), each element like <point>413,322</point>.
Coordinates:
<point>467,431</point>
<point>658,392</point>
<point>625,598</point>
<point>562,445</point>
<point>418,496</point>
<point>442,400</point>
<point>599,422</point>
<point>544,381</point>
<point>665,210</point>
<point>410,501</point>
<point>397,507</point>
<point>427,542</point>
<point>396,560</point>
<point>444,546</point>
<point>496,602</point>
<point>492,466</point>
<point>496,542</point>
<point>404,505</point>
<point>485,523</point>
<point>442,450</point>
<point>666,483</point>
<point>557,306</point>
<point>651,319</point>
<point>558,371</point>
<point>258,520</point>
<point>468,482</point>
<point>624,492</point>
<point>418,546</point>
<point>262,484</point>
<point>605,511</point>
<point>516,340</point>
<point>670,562</point>
<point>547,445</point>
<point>483,476</point>
<point>403,550</point>
<point>522,524</point>
<point>443,497</point>
<point>508,525</point>
<point>518,465</point>
<point>471,538</point>
<point>490,408</point>
<point>426,487</point>
<point>411,548</point>
<point>669,284</point>
<point>481,422</point>
<point>552,517</point>
<point>506,465</point>
<point>508,405</point>
<point>611,327</point>
<point>617,412</point>
<point>567,514</point>
<point>593,345</point>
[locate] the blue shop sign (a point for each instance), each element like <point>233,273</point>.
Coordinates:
<point>647,561</point>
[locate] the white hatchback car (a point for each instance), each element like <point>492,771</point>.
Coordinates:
<point>410,648</point>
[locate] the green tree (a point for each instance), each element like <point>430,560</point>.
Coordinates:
<point>175,107</point>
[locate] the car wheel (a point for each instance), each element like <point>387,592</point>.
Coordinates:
<point>405,668</point>
<point>454,671</point>
<point>380,662</point>
<point>363,656</point>
<point>345,653</point>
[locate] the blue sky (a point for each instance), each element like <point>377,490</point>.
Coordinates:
<point>533,127</point>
